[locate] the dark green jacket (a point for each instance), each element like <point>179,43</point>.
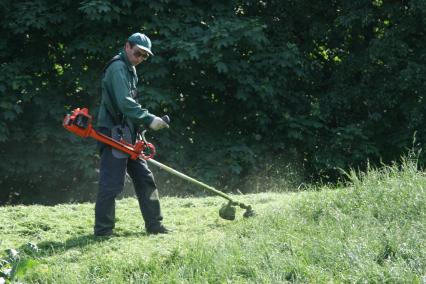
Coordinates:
<point>118,97</point>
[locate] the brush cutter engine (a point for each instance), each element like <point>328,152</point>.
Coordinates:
<point>79,122</point>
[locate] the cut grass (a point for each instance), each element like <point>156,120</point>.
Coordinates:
<point>370,231</point>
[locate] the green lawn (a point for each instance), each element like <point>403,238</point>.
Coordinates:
<point>370,231</point>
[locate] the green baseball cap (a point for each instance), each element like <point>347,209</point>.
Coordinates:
<point>142,41</point>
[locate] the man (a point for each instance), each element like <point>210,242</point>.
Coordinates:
<point>121,116</point>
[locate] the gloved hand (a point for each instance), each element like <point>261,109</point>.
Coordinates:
<point>157,124</point>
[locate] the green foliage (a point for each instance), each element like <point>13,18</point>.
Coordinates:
<point>331,84</point>
<point>372,231</point>
<point>14,265</point>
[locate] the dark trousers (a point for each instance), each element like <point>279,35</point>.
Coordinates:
<point>111,183</point>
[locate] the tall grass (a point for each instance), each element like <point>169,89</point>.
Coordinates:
<point>371,231</point>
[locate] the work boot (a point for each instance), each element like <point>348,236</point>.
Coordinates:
<point>157,229</point>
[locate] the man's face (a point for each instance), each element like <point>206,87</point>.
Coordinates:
<point>135,54</point>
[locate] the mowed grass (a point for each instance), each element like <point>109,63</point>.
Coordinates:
<point>371,231</point>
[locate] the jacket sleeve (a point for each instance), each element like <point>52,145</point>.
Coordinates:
<point>126,104</point>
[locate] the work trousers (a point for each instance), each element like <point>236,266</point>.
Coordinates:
<point>111,183</point>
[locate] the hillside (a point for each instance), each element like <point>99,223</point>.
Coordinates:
<point>372,230</point>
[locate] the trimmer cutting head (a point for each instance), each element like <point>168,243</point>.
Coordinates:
<point>227,211</point>
<point>249,212</point>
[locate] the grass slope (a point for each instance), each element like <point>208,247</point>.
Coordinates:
<point>370,231</point>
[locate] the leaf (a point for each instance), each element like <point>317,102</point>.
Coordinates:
<point>221,67</point>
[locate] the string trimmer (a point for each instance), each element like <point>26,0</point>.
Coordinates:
<point>79,122</point>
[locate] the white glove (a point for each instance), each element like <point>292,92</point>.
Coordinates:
<point>157,124</point>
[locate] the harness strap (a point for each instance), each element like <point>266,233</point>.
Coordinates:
<point>118,117</point>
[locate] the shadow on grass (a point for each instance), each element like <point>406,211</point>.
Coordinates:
<point>49,248</point>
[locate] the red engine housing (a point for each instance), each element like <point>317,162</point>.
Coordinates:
<point>79,122</point>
